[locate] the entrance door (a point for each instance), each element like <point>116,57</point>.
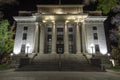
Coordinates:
<point>60,48</point>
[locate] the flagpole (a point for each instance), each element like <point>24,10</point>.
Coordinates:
<point>59,2</point>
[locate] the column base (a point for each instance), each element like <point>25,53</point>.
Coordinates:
<point>66,52</point>
<point>53,52</point>
<point>78,53</point>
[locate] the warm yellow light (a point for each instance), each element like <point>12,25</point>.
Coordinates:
<point>53,21</point>
<point>49,18</point>
<point>59,11</point>
<point>67,21</point>
<point>76,21</point>
<point>71,18</point>
<point>44,21</point>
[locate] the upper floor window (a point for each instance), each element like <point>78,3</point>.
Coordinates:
<point>70,29</point>
<point>25,28</point>
<point>70,37</point>
<point>24,36</point>
<point>49,38</point>
<point>49,29</point>
<point>94,28</point>
<point>95,36</point>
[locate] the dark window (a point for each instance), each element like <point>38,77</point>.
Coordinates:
<point>97,48</point>
<point>24,36</point>
<point>49,29</point>
<point>25,28</point>
<point>94,28</point>
<point>49,48</point>
<point>71,48</point>
<point>70,29</point>
<point>59,29</point>
<point>95,36</point>
<point>23,48</point>
<point>59,37</point>
<point>49,38</point>
<point>70,37</point>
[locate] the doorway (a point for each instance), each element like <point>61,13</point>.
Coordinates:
<point>60,48</point>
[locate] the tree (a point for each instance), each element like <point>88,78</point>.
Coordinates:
<point>116,22</point>
<point>115,32</point>
<point>6,40</point>
<point>106,5</point>
<point>116,54</point>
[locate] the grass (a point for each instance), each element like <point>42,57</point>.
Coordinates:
<point>4,67</point>
<point>116,68</point>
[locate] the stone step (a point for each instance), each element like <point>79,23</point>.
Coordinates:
<point>65,66</point>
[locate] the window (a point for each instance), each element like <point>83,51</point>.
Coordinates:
<point>94,28</point>
<point>95,36</point>
<point>49,48</point>
<point>49,38</point>
<point>70,29</point>
<point>49,29</point>
<point>70,37</point>
<point>59,37</point>
<point>23,48</point>
<point>25,28</point>
<point>24,36</point>
<point>97,48</point>
<point>70,48</point>
<point>59,29</point>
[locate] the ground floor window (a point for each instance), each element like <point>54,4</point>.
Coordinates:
<point>71,48</point>
<point>23,48</point>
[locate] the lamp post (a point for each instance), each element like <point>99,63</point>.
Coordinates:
<point>28,45</point>
<point>92,46</point>
<point>108,56</point>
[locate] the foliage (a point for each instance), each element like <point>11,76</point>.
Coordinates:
<point>116,68</point>
<point>6,41</point>
<point>4,67</point>
<point>114,32</point>
<point>106,5</point>
<point>116,22</point>
<point>3,35</point>
<point>115,53</point>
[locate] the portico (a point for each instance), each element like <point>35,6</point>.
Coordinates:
<point>61,35</point>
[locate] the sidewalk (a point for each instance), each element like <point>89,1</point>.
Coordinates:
<point>56,75</point>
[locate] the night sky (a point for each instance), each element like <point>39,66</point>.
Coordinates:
<point>30,5</point>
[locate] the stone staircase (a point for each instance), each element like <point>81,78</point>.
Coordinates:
<point>67,62</point>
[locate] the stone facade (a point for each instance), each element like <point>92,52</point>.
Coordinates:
<point>65,33</point>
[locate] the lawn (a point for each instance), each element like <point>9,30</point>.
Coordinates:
<point>116,68</point>
<point>4,67</point>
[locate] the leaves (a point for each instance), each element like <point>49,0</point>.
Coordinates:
<point>106,5</point>
<point>115,53</point>
<point>6,41</point>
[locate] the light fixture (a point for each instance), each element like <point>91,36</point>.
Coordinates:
<point>92,46</point>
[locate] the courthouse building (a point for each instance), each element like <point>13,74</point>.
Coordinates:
<point>59,29</point>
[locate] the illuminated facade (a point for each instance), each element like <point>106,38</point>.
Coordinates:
<point>64,29</point>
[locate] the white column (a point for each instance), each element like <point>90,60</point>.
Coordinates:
<point>53,38</point>
<point>41,50</point>
<point>83,38</point>
<point>36,38</point>
<point>78,45</point>
<point>66,43</point>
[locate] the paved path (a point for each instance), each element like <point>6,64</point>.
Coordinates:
<point>39,75</point>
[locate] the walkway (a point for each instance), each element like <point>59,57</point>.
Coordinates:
<point>56,75</point>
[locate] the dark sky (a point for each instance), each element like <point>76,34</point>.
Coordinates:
<point>11,11</point>
<point>31,4</point>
